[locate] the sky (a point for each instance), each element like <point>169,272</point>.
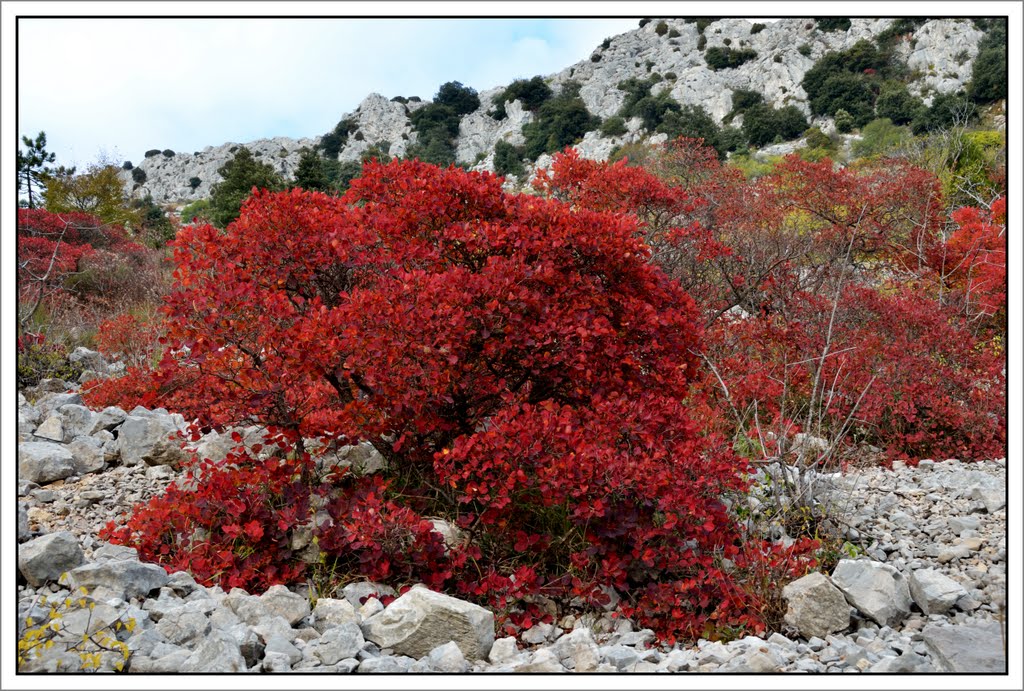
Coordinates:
<point>115,88</point>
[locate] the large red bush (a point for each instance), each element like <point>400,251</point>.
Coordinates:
<point>522,367</point>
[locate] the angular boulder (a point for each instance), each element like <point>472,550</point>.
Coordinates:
<point>282,602</point>
<point>24,532</point>
<point>150,439</point>
<point>815,607</point>
<point>107,419</point>
<point>219,652</point>
<point>934,592</point>
<point>77,419</point>
<point>88,453</point>
<point>967,649</point>
<point>46,558</point>
<point>42,462</point>
<point>877,590</point>
<point>330,612</point>
<point>49,402</point>
<point>52,428</point>
<point>421,620</point>
<point>339,643</point>
<point>123,578</point>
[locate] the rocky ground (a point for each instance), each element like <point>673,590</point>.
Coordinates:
<point>925,591</point>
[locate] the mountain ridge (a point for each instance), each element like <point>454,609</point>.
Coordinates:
<point>938,54</point>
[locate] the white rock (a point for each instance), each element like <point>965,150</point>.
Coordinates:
<point>421,619</point>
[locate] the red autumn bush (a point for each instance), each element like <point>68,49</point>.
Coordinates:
<point>521,366</point>
<point>231,528</point>
<point>908,377</point>
<point>909,368</point>
<point>128,339</point>
<point>74,272</point>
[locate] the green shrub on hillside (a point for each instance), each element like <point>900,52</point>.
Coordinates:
<point>719,58</point>
<point>508,159</point>
<point>988,75</point>
<point>880,137</point>
<point>461,99</point>
<point>695,122</point>
<point>763,124</point>
<point>332,143</point>
<point>613,126</point>
<point>843,90</point>
<point>532,93</point>
<point>896,103</point>
<point>830,24</point>
<point>561,121</point>
<point>745,98</point>
<point>945,110</point>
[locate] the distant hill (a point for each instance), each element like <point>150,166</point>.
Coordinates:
<point>655,78</point>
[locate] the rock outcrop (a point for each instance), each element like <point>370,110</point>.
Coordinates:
<point>939,56</point>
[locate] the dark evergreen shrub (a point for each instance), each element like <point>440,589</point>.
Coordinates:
<point>829,24</point>
<point>763,124</point>
<point>719,58</point>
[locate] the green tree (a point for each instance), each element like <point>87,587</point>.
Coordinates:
<point>988,75</point>
<point>461,99</point>
<point>98,191</point>
<point>561,122</point>
<point>33,169</point>
<point>310,173</point>
<point>896,103</point>
<point>154,225</point>
<point>763,124</point>
<point>532,93</point>
<point>508,159</point>
<point>693,121</point>
<point>880,137</point>
<point>240,175</point>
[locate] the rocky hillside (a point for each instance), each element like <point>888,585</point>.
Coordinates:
<point>938,54</point>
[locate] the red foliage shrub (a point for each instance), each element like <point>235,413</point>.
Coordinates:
<point>128,339</point>
<point>231,528</point>
<point>511,350</point>
<point>916,383</point>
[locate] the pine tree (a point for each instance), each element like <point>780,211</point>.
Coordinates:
<point>310,173</point>
<point>240,175</point>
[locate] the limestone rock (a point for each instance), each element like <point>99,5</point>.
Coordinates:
<point>815,607</point>
<point>88,454</point>
<point>46,558</point>
<point>108,418</point>
<point>338,643</point>
<point>43,462</point>
<point>421,619</point>
<point>329,613</point>
<point>934,592</point>
<point>219,652</point>
<point>282,602</point>
<point>877,590</point>
<point>966,649</point>
<point>150,439</point>
<point>123,578</point>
